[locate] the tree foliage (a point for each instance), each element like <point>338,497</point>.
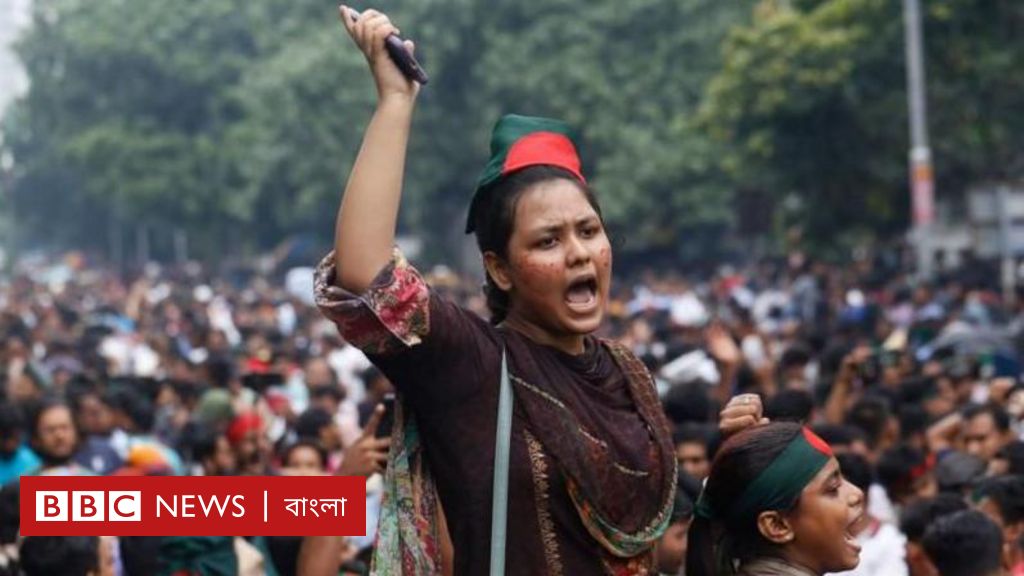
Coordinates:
<point>811,105</point>
<point>238,122</point>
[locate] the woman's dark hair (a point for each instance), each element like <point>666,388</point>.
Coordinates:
<point>495,220</point>
<point>715,545</point>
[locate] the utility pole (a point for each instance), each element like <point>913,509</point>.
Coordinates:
<point>9,214</point>
<point>1008,272</point>
<point>922,176</point>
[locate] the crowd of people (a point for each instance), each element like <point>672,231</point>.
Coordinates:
<point>914,386</point>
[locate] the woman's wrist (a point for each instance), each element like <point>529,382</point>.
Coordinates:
<point>396,102</point>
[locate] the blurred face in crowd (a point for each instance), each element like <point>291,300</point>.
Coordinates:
<point>1015,405</point>
<point>933,369</point>
<point>318,373</point>
<point>330,437</point>
<point>252,451</point>
<point>919,486</point>
<point>56,438</point>
<point>61,379</point>
<point>22,388</point>
<point>796,377</point>
<point>641,332</point>
<point>892,373</point>
<point>943,401</point>
<point>122,420</point>
<point>107,565</point>
<point>217,341</point>
<point>998,467</point>
<point>924,487</point>
<point>223,461</point>
<point>328,402</point>
<point>95,417</point>
<point>1011,531</point>
<point>9,445</point>
<point>963,388</point>
<point>693,459</point>
<point>922,296</point>
<point>918,563</point>
<point>258,347</point>
<point>982,438</point>
<point>305,461</point>
<point>670,550</point>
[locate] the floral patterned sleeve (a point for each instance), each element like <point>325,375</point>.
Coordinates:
<point>392,315</point>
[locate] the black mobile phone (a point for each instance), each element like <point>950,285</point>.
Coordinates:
<point>870,370</point>
<point>402,58</point>
<point>387,421</point>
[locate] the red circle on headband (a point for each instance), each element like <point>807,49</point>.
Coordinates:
<point>818,444</point>
<point>543,148</point>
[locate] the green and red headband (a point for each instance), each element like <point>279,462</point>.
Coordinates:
<point>520,142</point>
<point>779,485</point>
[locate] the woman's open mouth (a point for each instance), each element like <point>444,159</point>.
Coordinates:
<point>581,297</point>
<point>853,529</point>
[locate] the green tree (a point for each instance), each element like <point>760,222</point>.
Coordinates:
<point>238,122</point>
<point>127,115</point>
<point>811,105</point>
<point>630,75</point>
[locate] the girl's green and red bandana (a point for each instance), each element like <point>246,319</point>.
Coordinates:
<point>522,141</point>
<point>779,486</point>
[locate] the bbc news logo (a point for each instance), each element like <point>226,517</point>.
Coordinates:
<point>88,506</point>
<point>193,506</point>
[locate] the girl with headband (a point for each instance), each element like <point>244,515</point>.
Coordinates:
<point>592,471</point>
<point>775,504</point>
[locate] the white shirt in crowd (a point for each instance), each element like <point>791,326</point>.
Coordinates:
<point>883,552</point>
<point>349,363</point>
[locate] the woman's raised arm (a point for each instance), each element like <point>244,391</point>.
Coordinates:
<point>365,229</point>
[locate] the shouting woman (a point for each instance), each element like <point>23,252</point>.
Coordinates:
<point>591,469</point>
<point>775,504</point>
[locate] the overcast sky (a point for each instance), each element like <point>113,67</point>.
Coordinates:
<point>14,17</point>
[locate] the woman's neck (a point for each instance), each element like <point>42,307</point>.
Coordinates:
<point>573,344</point>
<point>775,566</point>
